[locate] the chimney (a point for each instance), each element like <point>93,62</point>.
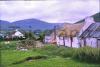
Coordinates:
<point>88,22</point>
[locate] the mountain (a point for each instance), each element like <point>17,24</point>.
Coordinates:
<point>95,16</point>
<point>32,24</point>
<point>4,25</point>
<point>29,24</point>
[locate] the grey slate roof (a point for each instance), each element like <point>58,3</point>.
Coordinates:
<point>92,31</point>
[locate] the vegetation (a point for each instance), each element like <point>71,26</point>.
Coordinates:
<point>30,35</point>
<point>41,36</point>
<point>88,54</point>
<point>26,44</point>
<point>48,56</point>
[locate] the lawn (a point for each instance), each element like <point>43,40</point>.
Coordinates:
<point>10,56</point>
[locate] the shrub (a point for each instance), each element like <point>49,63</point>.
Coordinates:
<point>87,54</point>
<point>26,44</point>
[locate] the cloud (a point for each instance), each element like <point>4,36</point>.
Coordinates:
<point>50,11</point>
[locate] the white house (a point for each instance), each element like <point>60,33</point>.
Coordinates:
<point>47,39</point>
<point>67,42</point>
<point>81,34</point>
<point>17,34</point>
<point>67,36</point>
<point>91,36</point>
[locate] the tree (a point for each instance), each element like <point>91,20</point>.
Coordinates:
<point>41,36</point>
<point>30,35</point>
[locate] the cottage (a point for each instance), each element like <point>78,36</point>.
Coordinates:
<point>91,36</point>
<point>77,35</point>
<point>17,33</point>
<point>49,37</point>
<point>67,36</point>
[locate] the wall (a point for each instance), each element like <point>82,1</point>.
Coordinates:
<point>47,39</point>
<point>89,42</point>
<point>75,42</point>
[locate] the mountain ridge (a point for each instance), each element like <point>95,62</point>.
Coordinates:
<point>28,24</point>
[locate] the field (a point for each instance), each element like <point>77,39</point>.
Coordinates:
<point>10,56</point>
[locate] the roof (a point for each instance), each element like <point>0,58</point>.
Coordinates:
<point>70,29</point>
<point>92,31</point>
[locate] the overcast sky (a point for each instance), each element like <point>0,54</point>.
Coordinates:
<point>58,11</point>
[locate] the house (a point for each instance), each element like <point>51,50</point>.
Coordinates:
<point>91,36</point>
<point>79,34</point>
<point>67,35</point>
<point>17,33</point>
<point>49,37</point>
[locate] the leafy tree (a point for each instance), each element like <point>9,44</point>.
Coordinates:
<point>29,35</point>
<point>41,36</point>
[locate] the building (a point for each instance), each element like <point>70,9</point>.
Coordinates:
<point>91,36</point>
<point>80,34</point>
<point>49,37</point>
<point>67,35</point>
<point>17,33</point>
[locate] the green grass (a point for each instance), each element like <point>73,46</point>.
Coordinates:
<point>10,55</point>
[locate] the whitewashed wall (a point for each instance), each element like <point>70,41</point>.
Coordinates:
<point>92,42</point>
<point>75,42</point>
<point>81,42</point>
<point>47,39</point>
<point>59,41</point>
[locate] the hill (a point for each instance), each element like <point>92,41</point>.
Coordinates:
<point>28,24</point>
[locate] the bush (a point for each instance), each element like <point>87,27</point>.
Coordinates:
<point>87,54</point>
<point>26,44</point>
